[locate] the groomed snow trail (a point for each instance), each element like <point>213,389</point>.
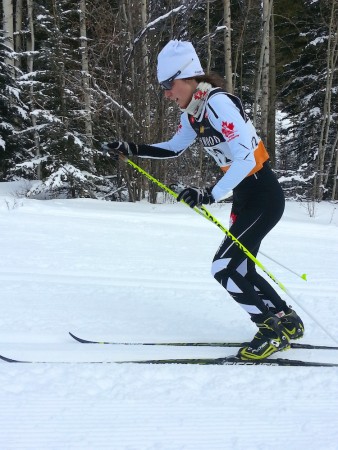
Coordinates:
<point>139,272</point>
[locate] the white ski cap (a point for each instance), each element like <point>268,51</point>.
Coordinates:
<point>175,56</point>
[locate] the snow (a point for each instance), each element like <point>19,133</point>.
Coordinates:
<point>318,40</point>
<point>14,92</point>
<point>315,112</point>
<point>2,143</point>
<point>296,177</point>
<point>141,272</point>
<point>29,75</point>
<point>157,20</point>
<point>21,112</point>
<point>46,115</point>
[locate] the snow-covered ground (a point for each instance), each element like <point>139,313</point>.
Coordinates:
<point>141,272</point>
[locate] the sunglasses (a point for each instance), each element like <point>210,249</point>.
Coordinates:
<point>168,84</point>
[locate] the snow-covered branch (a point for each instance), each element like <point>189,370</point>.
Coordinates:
<point>113,102</point>
<point>157,21</point>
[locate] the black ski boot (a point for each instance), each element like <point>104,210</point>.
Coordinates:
<point>292,323</point>
<point>270,338</point>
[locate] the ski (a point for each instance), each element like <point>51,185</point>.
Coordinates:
<point>228,361</point>
<point>197,344</point>
<point>25,361</point>
<point>235,361</point>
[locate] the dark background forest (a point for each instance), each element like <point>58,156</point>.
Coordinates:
<point>74,74</point>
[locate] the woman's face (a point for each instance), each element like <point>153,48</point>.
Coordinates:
<point>181,92</point>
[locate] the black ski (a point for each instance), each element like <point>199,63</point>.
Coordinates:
<point>235,361</point>
<point>22,361</point>
<point>198,344</point>
<point>228,361</point>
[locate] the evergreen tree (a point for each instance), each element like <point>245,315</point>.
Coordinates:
<point>302,96</point>
<point>13,114</point>
<point>56,102</point>
<point>87,74</point>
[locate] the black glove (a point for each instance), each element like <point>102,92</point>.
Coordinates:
<point>114,148</point>
<point>196,197</point>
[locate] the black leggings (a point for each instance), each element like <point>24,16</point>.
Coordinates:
<point>258,205</point>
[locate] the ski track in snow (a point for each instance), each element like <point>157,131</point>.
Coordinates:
<point>140,272</point>
<point>168,408</point>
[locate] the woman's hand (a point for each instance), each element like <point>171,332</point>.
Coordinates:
<point>115,148</point>
<point>196,197</point>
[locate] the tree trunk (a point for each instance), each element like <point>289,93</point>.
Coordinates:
<point>239,50</point>
<point>85,74</point>
<point>335,176</point>
<point>227,47</point>
<point>127,133</point>
<point>271,122</point>
<point>30,64</point>
<point>61,73</point>
<point>145,113</point>
<point>145,72</point>
<point>331,64</point>
<point>8,25</point>
<point>208,37</point>
<point>262,81</point>
<point>334,152</point>
<point>267,6</point>
<point>18,31</point>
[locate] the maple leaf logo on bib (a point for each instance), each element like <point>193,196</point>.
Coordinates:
<point>228,131</point>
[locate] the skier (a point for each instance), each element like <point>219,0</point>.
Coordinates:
<point>218,119</point>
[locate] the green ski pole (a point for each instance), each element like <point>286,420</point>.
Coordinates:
<point>205,213</point>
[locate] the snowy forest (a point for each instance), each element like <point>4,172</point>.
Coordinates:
<point>76,73</point>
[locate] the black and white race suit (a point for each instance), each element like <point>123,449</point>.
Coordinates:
<point>228,135</point>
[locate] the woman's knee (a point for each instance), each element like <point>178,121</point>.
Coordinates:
<point>219,265</point>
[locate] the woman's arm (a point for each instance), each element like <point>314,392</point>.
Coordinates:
<point>182,139</point>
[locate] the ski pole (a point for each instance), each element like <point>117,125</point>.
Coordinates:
<point>205,213</point>
<point>303,276</point>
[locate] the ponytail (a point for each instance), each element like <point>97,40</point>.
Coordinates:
<point>213,78</point>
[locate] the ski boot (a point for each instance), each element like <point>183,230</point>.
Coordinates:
<point>270,338</point>
<point>292,323</point>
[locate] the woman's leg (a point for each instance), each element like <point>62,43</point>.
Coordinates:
<point>236,273</point>
<point>264,289</point>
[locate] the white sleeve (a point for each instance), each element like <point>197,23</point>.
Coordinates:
<point>184,136</point>
<point>225,117</point>
<point>234,175</point>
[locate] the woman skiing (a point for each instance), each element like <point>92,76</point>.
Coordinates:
<point>218,119</point>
